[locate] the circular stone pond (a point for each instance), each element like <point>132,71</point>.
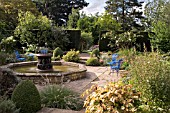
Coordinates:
<point>61,72</point>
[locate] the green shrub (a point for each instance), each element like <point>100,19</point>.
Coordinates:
<point>112,98</point>
<point>6,58</point>
<point>125,65</point>
<point>57,97</point>
<point>86,40</point>
<point>72,56</point>
<point>7,106</point>
<point>93,61</point>
<point>8,81</point>
<point>95,53</point>
<point>151,76</point>
<point>57,52</point>
<point>26,97</point>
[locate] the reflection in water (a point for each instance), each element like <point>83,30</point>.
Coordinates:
<point>56,69</point>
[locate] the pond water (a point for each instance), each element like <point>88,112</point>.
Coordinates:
<point>56,69</point>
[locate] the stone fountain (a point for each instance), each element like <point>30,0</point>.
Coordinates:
<point>44,70</point>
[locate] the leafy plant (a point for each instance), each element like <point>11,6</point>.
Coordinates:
<point>72,56</point>
<point>125,65</point>
<point>112,98</point>
<point>93,61</point>
<point>57,97</point>
<point>86,40</point>
<point>95,53</point>
<point>8,81</point>
<point>7,106</point>
<point>26,97</point>
<point>58,52</point>
<point>150,75</point>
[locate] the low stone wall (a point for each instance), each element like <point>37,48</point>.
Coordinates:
<point>44,78</point>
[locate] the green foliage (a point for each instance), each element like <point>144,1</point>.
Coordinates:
<point>73,18</point>
<point>8,81</point>
<point>124,13</point>
<point>9,14</point>
<point>86,40</point>
<point>59,10</point>
<point>26,97</point>
<point>125,65</point>
<point>151,76</point>
<point>93,61</point>
<point>7,106</point>
<point>8,44</point>
<point>72,56</point>
<point>60,38</point>
<point>95,53</point>
<point>57,97</point>
<point>6,58</point>
<point>158,16</point>
<point>112,98</point>
<point>32,29</point>
<point>58,52</point>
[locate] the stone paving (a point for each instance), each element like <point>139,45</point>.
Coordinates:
<point>94,75</point>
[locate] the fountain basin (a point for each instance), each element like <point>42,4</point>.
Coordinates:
<point>75,71</point>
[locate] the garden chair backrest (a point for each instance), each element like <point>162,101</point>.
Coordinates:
<point>17,54</point>
<point>44,51</point>
<point>114,57</point>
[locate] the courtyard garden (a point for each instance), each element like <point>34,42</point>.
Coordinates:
<point>54,58</point>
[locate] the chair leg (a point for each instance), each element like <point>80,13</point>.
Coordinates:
<point>117,72</point>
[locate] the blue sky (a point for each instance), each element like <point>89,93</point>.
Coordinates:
<point>95,6</point>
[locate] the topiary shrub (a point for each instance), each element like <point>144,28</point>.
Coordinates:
<point>58,52</point>
<point>57,97</point>
<point>95,53</point>
<point>7,106</point>
<point>112,98</point>
<point>93,61</point>
<point>26,97</point>
<point>72,56</point>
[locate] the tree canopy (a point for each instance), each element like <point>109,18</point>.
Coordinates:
<point>59,10</point>
<point>126,12</point>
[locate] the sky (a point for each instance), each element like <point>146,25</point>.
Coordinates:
<point>95,6</point>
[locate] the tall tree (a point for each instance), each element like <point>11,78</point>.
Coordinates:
<point>73,18</point>
<point>9,13</point>
<point>158,14</point>
<point>125,12</point>
<point>59,10</point>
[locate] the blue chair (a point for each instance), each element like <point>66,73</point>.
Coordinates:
<point>115,65</point>
<point>18,56</point>
<point>114,57</point>
<point>43,51</point>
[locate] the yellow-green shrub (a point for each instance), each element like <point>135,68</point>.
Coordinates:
<point>72,56</point>
<point>112,98</point>
<point>93,61</point>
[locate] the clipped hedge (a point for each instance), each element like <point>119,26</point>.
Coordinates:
<point>26,97</point>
